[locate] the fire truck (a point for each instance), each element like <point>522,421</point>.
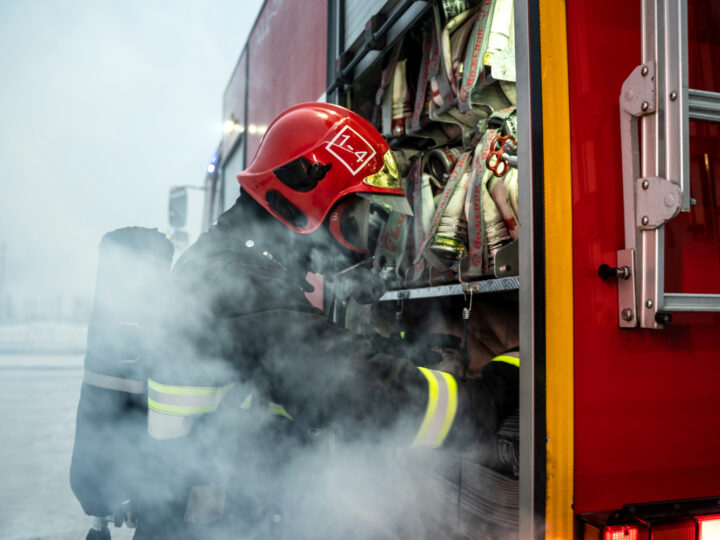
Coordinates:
<point>613,274</point>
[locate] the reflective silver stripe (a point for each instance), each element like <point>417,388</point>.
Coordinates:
<point>164,426</point>
<point>172,409</point>
<point>441,408</point>
<point>131,386</point>
<point>191,401</point>
<point>205,504</point>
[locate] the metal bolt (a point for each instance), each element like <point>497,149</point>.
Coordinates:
<point>649,304</point>
<point>627,314</point>
<point>645,220</point>
<point>645,105</point>
<point>645,184</point>
<point>673,95</point>
<point>693,202</point>
<point>644,71</point>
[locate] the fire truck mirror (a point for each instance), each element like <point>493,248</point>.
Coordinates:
<point>178,207</point>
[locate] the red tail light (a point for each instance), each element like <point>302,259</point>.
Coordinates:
<point>709,527</point>
<point>697,527</point>
<point>621,532</point>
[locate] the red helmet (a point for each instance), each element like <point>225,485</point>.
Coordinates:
<point>311,156</point>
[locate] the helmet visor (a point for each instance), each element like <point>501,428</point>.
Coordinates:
<point>388,176</point>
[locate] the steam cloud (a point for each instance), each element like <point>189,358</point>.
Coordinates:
<point>340,470</point>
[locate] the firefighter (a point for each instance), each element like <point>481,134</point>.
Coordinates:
<point>245,369</point>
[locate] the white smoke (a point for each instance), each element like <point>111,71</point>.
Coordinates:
<point>335,471</point>
<point>104,106</point>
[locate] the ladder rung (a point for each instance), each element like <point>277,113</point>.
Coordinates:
<point>704,105</point>
<point>692,302</point>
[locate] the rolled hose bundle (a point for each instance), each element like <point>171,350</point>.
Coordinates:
<point>105,471</point>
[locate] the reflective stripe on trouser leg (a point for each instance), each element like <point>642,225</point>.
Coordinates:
<point>171,409</point>
<point>441,408</point>
<point>131,386</point>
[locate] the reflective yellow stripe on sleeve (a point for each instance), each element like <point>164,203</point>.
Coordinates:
<point>279,410</point>
<point>511,358</point>
<point>188,390</point>
<point>171,409</point>
<point>184,400</point>
<point>441,408</point>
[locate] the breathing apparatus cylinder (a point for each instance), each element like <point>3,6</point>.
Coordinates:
<point>106,467</point>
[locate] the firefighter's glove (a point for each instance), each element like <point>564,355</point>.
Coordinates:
<point>361,284</point>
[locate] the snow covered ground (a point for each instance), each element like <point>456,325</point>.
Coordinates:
<point>38,398</point>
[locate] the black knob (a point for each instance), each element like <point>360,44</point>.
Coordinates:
<point>663,317</point>
<point>605,271</point>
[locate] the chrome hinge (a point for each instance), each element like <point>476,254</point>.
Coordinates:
<point>657,201</point>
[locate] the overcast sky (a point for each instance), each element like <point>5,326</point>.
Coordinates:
<point>103,105</point>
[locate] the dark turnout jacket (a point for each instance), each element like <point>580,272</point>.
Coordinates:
<point>284,377</point>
